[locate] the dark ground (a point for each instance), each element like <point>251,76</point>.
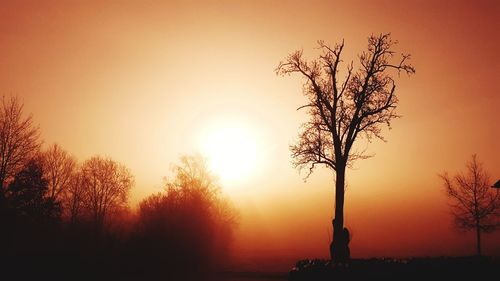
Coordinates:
<point>448,268</point>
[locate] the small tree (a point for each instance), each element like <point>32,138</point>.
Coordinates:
<point>474,204</point>
<point>342,110</point>
<point>27,195</point>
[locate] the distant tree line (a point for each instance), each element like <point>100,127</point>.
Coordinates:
<point>57,211</point>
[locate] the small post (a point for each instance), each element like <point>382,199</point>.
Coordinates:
<point>496,185</point>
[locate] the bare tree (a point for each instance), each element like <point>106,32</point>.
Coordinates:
<point>475,205</point>
<point>193,173</point>
<point>58,167</point>
<point>341,110</point>
<point>19,139</point>
<point>106,187</point>
<point>74,197</point>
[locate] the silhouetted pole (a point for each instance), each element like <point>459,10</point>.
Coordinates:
<point>496,185</point>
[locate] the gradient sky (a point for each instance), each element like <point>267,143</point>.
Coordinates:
<point>143,81</point>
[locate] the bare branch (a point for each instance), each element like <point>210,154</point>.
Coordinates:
<point>363,102</point>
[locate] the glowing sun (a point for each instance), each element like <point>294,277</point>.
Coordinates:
<point>231,152</point>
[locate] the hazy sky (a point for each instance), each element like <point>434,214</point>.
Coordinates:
<point>144,82</point>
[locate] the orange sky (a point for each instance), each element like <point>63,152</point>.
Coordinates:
<point>140,80</point>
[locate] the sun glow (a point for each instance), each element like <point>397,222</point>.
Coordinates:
<point>231,151</point>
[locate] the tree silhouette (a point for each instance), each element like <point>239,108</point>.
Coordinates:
<point>59,167</point>
<point>341,110</point>
<point>74,197</point>
<point>27,195</point>
<point>19,139</point>
<point>106,185</point>
<point>475,204</point>
<point>195,182</point>
<point>190,223</point>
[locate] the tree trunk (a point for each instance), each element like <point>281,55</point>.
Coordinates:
<point>2,187</point>
<point>339,246</point>
<point>478,239</point>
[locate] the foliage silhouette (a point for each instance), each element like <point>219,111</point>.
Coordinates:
<point>60,218</point>
<point>27,194</point>
<point>459,268</point>
<point>30,219</point>
<point>182,232</point>
<point>475,205</point>
<point>342,110</point>
<point>190,223</point>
